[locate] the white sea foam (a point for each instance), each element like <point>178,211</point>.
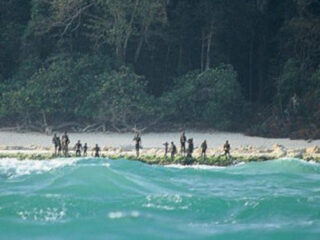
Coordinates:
<point>311,162</point>
<point>165,202</point>
<point>43,215</point>
<point>12,167</point>
<point>239,164</point>
<point>118,215</point>
<point>115,215</point>
<point>106,164</point>
<point>163,207</point>
<point>202,167</point>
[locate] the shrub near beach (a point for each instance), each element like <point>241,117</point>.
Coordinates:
<point>213,97</point>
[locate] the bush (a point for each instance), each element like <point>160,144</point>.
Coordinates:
<point>58,90</point>
<point>124,102</point>
<point>213,97</point>
<point>290,82</point>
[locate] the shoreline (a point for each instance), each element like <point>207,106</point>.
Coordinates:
<point>33,145</point>
<point>156,155</point>
<point>152,139</point>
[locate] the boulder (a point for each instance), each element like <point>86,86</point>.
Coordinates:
<point>105,149</point>
<point>150,152</point>
<point>312,150</point>
<point>197,152</point>
<point>119,150</point>
<point>296,153</point>
<point>279,151</point>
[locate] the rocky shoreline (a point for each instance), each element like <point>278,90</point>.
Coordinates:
<point>156,155</point>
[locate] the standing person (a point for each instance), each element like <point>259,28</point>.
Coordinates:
<point>166,144</point>
<point>183,140</point>
<point>55,143</point>
<point>96,150</point>
<point>226,148</point>
<point>59,146</point>
<point>137,139</point>
<point>78,148</point>
<point>85,149</point>
<point>65,142</point>
<point>173,151</point>
<point>204,147</point>
<point>190,147</point>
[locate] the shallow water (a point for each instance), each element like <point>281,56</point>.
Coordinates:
<point>104,199</point>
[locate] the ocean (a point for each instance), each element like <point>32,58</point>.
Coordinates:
<point>86,198</point>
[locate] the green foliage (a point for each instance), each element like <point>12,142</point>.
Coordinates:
<point>60,61</point>
<point>124,101</point>
<point>315,82</point>
<point>290,82</point>
<point>58,89</point>
<point>213,97</point>
<point>314,97</point>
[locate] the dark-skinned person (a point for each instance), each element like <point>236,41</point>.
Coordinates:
<point>204,147</point>
<point>78,148</point>
<point>65,142</point>
<point>226,149</point>
<point>166,148</point>
<point>137,140</point>
<point>59,146</point>
<point>85,149</point>
<point>183,140</point>
<point>55,143</point>
<point>190,148</point>
<point>173,150</point>
<point>96,150</point>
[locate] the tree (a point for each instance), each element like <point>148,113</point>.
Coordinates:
<point>124,103</point>
<point>213,97</point>
<point>118,20</point>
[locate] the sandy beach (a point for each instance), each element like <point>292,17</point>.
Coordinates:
<point>117,145</point>
<point>152,140</point>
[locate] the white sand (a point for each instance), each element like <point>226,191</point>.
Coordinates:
<point>151,140</point>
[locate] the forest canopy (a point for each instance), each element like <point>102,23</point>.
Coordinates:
<point>248,65</point>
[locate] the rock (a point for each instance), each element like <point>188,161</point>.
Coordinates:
<point>105,148</point>
<point>296,153</point>
<point>277,146</point>
<point>119,150</point>
<point>279,151</point>
<point>150,152</point>
<point>197,152</point>
<point>160,153</point>
<point>312,150</point>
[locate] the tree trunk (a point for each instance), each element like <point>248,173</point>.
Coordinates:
<point>118,44</point>
<point>44,118</point>
<point>128,34</point>
<point>167,61</point>
<point>251,69</point>
<point>261,69</point>
<point>202,50</point>
<point>209,49</point>
<point>140,43</point>
<point>180,59</point>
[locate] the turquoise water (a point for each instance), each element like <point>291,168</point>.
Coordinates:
<point>105,199</point>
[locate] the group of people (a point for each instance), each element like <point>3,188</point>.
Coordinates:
<point>189,150</point>
<point>62,145</point>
